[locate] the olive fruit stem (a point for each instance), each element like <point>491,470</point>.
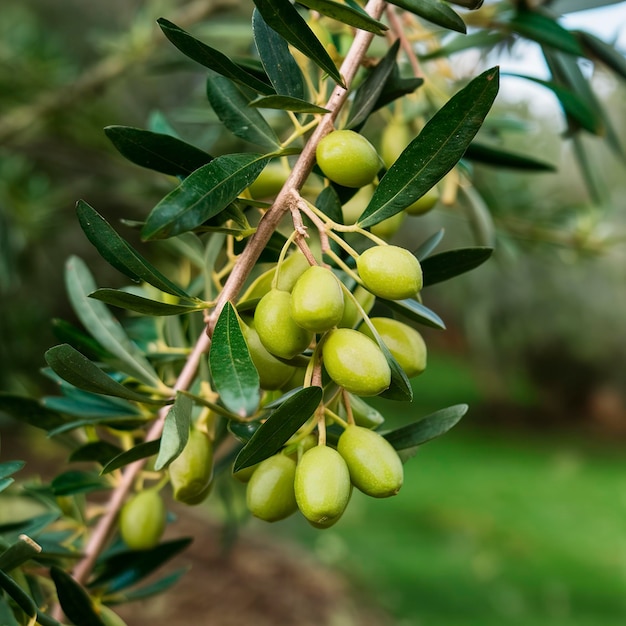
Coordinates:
<point>333,416</point>
<point>344,267</point>
<point>348,405</point>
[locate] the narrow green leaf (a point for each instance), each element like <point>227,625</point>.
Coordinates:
<point>204,194</point>
<point>31,527</point>
<point>346,15</point>
<point>278,62</point>
<point>6,469</point>
<point>139,304</point>
<point>18,595</point>
<point>281,16</point>
<point>369,91</point>
<point>279,426</point>
<point>142,450</point>
<point>123,569</point>
<point>287,103</point>
<point>468,4</point>
<point>105,328</point>
<point>435,151</point>
<point>23,550</point>
<point>601,51</point>
<point>451,263</point>
<point>78,370</point>
<point>417,312</point>
<point>68,333</point>
<point>434,11</point>
<point>459,43</point>
<point>74,600</point>
<point>156,151</point>
<point>396,87</point>
<point>119,253</point>
<point>234,375</point>
<point>96,451</point>
<point>155,588</point>
<point>211,58</point>
<point>7,617</point>
<point>406,439</point>
<point>5,483</point>
<point>29,411</point>
<point>545,30</point>
<point>74,481</point>
<point>230,104</point>
<point>500,157</point>
<point>429,245</point>
<point>175,431</point>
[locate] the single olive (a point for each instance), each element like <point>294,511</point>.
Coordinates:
<point>317,300</point>
<point>244,475</point>
<point>322,486</point>
<point>269,182</point>
<point>374,465</point>
<point>270,494</point>
<point>355,362</point>
<point>277,330</point>
<point>347,158</point>
<point>394,139</point>
<point>291,269</point>
<point>191,472</point>
<point>425,203</point>
<point>142,520</point>
<point>390,272</point>
<point>389,227</point>
<point>404,342</point>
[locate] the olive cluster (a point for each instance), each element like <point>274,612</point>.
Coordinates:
<point>318,479</point>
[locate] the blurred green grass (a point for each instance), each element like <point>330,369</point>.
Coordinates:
<point>489,529</point>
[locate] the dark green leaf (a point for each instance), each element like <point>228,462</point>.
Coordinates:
<point>23,550</point>
<point>68,333</point>
<point>74,600</point>
<point>396,87</point>
<point>119,253</point>
<point>105,328</point>
<point>468,4</point>
<point>210,57</point>
<point>139,304</point>
<point>89,405</point>
<point>328,203</point>
<point>97,451</point>
<point>243,431</point>
<point>30,527</point>
<point>153,589</point>
<point>281,16</point>
<point>603,52</point>
<point>175,431</point>
<point>234,375</point>
<point>545,30</point>
<point>205,193</point>
<point>10,467</point>
<point>446,265</point>
<point>407,438</point>
<point>369,91</point>
<point>162,153</point>
<point>417,312</point>
<point>123,569</point>
<point>279,426</point>
<point>78,370</point>
<point>18,595</point>
<point>282,69</point>
<point>500,157</point>
<point>435,151</point>
<point>142,450</point>
<point>29,411</point>
<point>346,15</point>
<point>434,11</point>
<point>429,245</point>
<point>573,105</point>
<point>75,481</point>
<point>287,103</point>
<point>230,104</point>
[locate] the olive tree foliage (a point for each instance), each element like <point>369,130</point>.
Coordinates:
<point>253,356</point>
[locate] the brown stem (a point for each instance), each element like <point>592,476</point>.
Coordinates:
<point>241,270</point>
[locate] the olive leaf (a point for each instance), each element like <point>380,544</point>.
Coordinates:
<point>346,15</point>
<point>545,30</point>
<point>142,450</point>
<point>434,11</point>
<point>287,103</point>
<point>435,151</point>
<point>175,431</point>
<point>139,304</point>
<point>74,600</point>
<point>451,263</point>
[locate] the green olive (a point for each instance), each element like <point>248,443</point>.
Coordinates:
<point>322,486</point>
<point>317,300</point>
<point>191,472</point>
<point>389,227</point>
<point>273,373</point>
<point>277,330</point>
<point>142,520</point>
<point>291,269</point>
<point>394,139</point>
<point>374,465</point>
<point>404,342</point>
<point>390,272</point>
<point>425,203</point>
<point>355,362</point>
<point>270,493</point>
<point>347,158</point>
<point>269,182</point>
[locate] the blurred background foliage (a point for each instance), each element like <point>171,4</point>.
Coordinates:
<point>536,337</point>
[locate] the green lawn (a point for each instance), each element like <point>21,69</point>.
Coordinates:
<point>490,530</point>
